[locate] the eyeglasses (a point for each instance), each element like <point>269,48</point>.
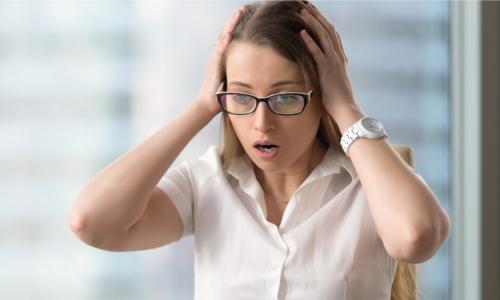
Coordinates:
<point>280,103</point>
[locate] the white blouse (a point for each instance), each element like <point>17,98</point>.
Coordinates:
<point>326,246</point>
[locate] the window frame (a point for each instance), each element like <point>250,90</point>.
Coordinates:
<point>475,70</point>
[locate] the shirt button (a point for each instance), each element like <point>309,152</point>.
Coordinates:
<point>276,267</point>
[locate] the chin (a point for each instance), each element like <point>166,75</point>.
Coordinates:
<point>268,165</point>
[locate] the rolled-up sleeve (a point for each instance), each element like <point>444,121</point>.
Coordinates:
<point>176,183</point>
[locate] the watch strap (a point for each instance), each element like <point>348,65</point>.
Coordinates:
<point>349,137</point>
<point>355,132</point>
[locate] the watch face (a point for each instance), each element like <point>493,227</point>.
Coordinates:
<point>372,125</point>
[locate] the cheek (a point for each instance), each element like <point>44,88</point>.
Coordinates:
<point>239,125</point>
<point>307,128</point>
<point>314,115</point>
<point>301,131</point>
<point>311,117</point>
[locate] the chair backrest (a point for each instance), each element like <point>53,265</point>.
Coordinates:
<point>404,286</point>
<point>406,153</point>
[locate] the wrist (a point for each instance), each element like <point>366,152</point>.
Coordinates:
<point>201,107</point>
<point>346,116</point>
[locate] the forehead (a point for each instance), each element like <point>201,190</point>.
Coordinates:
<point>260,66</point>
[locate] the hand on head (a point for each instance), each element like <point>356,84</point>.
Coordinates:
<point>331,60</point>
<point>213,80</point>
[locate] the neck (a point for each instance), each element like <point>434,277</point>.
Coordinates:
<point>280,186</point>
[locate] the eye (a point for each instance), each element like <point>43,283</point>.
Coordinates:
<point>286,98</point>
<point>240,98</point>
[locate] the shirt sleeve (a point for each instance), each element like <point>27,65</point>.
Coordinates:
<point>177,184</point>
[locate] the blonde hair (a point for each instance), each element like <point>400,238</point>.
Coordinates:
<point>276,24</point>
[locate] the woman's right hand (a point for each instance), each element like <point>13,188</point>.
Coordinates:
<point>212,81</point>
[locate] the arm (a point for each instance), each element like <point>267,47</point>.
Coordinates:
<point>408,217</point>
<point>121,208</point>
<point>117,197</point>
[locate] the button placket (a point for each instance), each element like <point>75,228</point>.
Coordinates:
<point>276,268</point>
<point>278,262</point>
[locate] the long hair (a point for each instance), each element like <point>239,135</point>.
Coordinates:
<point>276,24</point>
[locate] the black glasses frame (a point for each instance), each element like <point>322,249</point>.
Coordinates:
<point>307,98</point>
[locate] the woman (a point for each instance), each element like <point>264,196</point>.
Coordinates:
<point>293,206</point>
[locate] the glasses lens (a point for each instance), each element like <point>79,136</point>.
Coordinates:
<point>238,103</point>
<point>287,103</point>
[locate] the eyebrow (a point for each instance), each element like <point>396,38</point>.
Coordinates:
<point>279,83</point>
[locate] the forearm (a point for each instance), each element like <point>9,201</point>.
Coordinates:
<point>408,217</point>
<point>118,195</point>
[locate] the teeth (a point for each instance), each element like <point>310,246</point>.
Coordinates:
<point>266,149</point>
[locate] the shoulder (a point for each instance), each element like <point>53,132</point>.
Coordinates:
<point>206,165</point>
<point>209,161</point>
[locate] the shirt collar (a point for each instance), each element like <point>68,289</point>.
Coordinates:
<point>242,167</point>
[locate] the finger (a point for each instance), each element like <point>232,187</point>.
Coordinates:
<point>231,24</point>
<point>315,50</point>
<point>324,38</point>
<point>317,14</point>
<point>341,47</point>
<point>225,35</point>
<point>239,13</point>
<point>318,18</point>
<point>222,44</point>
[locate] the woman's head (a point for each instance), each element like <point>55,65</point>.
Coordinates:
<point>266,48</point>
<point>255,70</point>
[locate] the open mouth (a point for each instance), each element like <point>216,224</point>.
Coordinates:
<point>266,148</point>
<point>267,151</point>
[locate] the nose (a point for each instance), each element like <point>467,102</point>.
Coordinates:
<point>263,118</point>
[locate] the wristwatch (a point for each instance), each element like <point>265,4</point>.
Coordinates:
<point>366,127</point>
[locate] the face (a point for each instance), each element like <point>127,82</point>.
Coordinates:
<point>259,67</point>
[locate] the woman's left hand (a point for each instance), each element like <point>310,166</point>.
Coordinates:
<point>331,63</point>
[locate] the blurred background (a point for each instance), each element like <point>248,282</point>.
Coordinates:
<point>83,82</point>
